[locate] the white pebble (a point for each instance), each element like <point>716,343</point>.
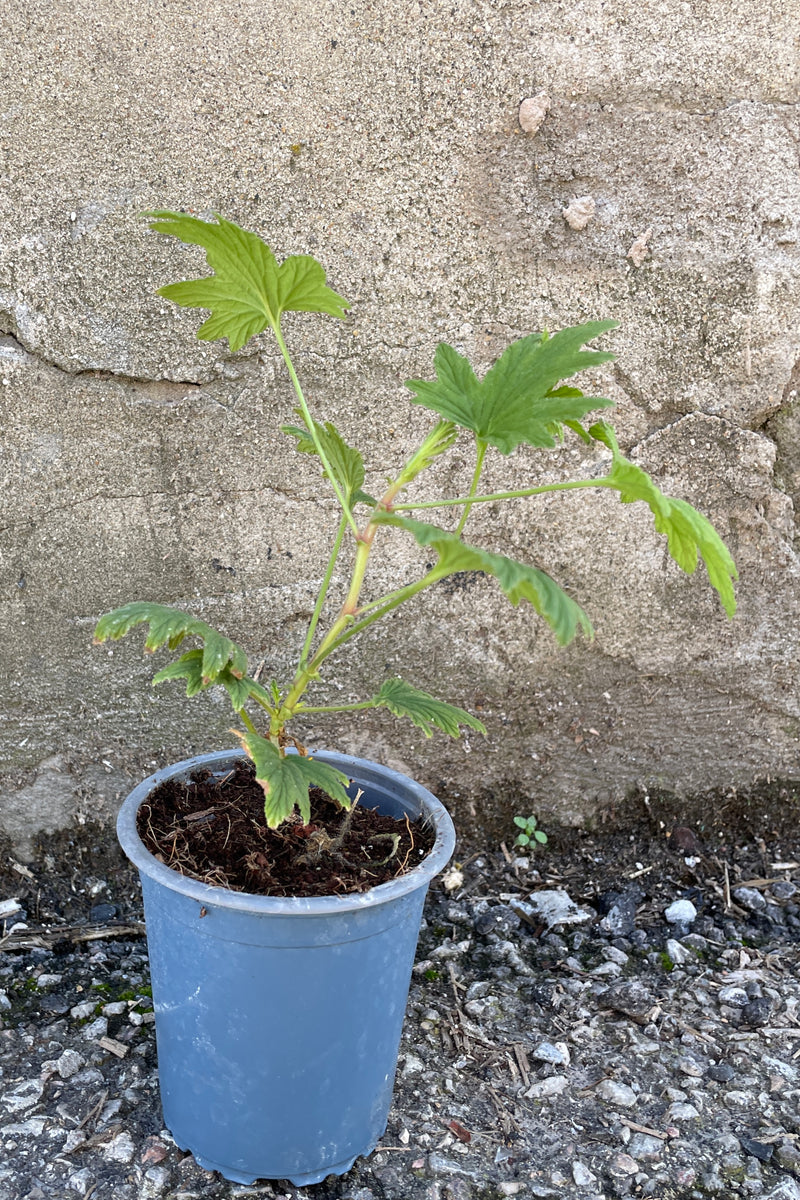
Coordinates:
<point>680,912</point>
<point>582,1175</point>
<point>616,1093</point>
<point>554,1085</point>
<point>97,1029</point>
<point>69,1064</point>
<point>678,953</point>
<point>81,1011</point>
<point>120,1149</point>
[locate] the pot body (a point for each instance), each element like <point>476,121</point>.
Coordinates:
<point>278,1020</point>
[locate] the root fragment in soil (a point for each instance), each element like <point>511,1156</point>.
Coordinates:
<point>213,829</point>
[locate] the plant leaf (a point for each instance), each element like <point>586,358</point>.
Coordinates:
<point>190,667</point>
<point>346,462</point>
<point>518,581</point>
<point>286,779</point>
<point>170,626</point>
<point>406,701</point>
<point>440,439</point>
<point>517,400</point>
<point>248,290</point>
<point>687,531</point>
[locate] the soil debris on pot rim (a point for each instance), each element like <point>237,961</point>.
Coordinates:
<point>213,829</point>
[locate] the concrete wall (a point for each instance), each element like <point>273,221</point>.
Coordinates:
<point>384,138</point>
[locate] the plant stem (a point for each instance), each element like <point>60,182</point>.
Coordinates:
<point>482,447</point>
<point>343,628</point>
<point>312,429</point>
<point>517,494</point>
<point>337,545</point>
<point>393,601</point>
<point>248,724</point>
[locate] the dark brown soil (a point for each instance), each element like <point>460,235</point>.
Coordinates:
<point>214,830</point>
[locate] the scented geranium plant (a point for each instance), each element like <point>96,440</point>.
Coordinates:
<point>522,400</point>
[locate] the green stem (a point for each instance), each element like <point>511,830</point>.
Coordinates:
<point>343,627</point>
<point>312,429</point>
<point>514,495</point>
<point>337,545</point>
<point>248,724</point>
<point>393,601</point>
<point>482,447</point>
<point>381,600</point>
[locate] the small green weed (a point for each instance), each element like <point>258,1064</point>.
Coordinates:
<point>529,833</point>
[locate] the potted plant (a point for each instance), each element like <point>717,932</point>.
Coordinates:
<point>278,1016</point>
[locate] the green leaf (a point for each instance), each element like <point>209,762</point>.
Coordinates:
<point>687,531</point>
<point>440,439</point>
<point>190,667</point>
<point>170,626</point>
<point>286,779</point>
<point>517,400</point>
<point>346,462</point>
<point>249,290</point>
<point>406,701</point>
<point>518,581</point>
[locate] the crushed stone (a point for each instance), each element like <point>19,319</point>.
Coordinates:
<point>545,1053</point>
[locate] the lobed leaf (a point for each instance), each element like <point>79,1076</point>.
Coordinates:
<point>438,441</point>
<point>406,701</point>
<point>249,289</point>
<point>286,779</point>
<point>346,462</point>
<point>518,581</point>
<point>169,626</point>
<point>190,667</point>
<point>687,531</point>
<point>518,400</point>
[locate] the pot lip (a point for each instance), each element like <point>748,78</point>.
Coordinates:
<point>310,906</point>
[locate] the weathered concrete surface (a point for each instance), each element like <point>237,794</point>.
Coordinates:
<point>139,462</point>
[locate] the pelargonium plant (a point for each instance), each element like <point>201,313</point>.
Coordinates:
<point>522,400</point>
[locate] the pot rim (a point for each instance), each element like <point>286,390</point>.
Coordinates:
<point>308,906</point>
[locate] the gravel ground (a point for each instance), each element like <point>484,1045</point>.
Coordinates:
<point>618,1015</point>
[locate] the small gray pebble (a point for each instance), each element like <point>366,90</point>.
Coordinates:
<point>499,919</point>
<point>54,1003</point>
<point>721,1072</point>
<point>757,1011</point>
<point>733,996</point>
<point>749,898</point>
<point>102,912</point>
<point>548,1053</point>
<point>69,1064</point>
<point>760,1150</point>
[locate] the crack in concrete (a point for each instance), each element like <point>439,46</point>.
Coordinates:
<point>14,341</point>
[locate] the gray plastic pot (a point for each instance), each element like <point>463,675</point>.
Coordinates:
<point>278,1020</point>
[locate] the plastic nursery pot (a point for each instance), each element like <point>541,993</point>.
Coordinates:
<point>278,1020</point>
